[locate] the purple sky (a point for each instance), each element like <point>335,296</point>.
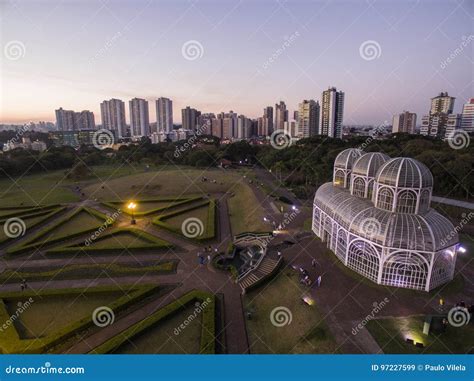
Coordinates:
<point>74,54</point>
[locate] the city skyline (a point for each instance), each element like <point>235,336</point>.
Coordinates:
<point>292,52</point>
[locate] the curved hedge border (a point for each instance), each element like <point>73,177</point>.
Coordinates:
<point>208,330</point>
<point>35,241</point>
<point>48,213</point>
<point>210,231</point>
<point>21,211</point>
<point>155,243</point>
<point>41,345</point>
<point>179,202</point>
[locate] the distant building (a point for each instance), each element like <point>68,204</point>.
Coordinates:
<point>281,116</point>
<point>139,117</point>
<point>113,117</point>
<point>308,118</point>
<point>38,146</point>
<point>467,122</point>
<point>229,125</point>
<point>453,123</point>
<point>291,129</point>
<point>244,127</point>
<point>84,120</point>
<point>164,115</point>
<point>73,138</point>
<point>65,120</point>
<point>189,117</point>
<point>266,125</point>
<point>435,123</point>
<point>204,123</point>
<point>404,122</point>
<point>332,113</point>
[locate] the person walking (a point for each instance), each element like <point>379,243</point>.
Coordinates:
<point>319,281</point>
<point>313,263</point>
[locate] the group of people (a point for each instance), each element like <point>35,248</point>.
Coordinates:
<point>306,280</point>
<point>23,285</point>
<point>207,255</point>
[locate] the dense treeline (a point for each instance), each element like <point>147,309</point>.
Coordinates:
<point>303,166</point>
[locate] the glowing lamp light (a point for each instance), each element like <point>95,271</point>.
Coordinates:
<point>308,300</point>
<point>132,206</point>
<point>461,249</point>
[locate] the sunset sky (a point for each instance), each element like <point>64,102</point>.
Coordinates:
<point>74,54</point>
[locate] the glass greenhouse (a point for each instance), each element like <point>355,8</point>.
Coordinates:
<point>376,217</point>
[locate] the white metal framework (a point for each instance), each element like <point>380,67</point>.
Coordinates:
<point>376,217</point>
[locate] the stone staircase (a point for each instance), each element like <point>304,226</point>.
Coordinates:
<point>266,268</point>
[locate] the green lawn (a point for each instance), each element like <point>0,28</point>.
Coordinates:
<point>307,332</point>
<point>246,213</point>
<point>199,213</point>
<point>390,334</point>
<point>48,314</point>
<point>54,187</point>
<point>161,339</point>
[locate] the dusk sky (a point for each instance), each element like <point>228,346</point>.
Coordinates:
<point>74,54</point>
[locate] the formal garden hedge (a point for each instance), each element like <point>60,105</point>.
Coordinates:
<point>211,223</point>
<point>41,238</point>
<point>208,331</point>
<point>88,271</point>
<point>11,341</point>
<point>44,212</point>
<point>152,243</point>
<point>176,202</point>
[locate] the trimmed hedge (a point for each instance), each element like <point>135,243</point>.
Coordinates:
<point>25,210</point>
<point>35,241</point>
<point>155,243</point>
<point>88,271</point>
<point>211,222</point>
<point>207,341</point>
<point>179,202</point>
<point>48,213</point>
<point>41,345</point>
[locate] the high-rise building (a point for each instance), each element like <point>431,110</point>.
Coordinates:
<point>113,117</point>
<point>453,123</point>
<point>204,123</point>
<point>139,117</point>
<point>189,118</point>
<point>308,118</point>
<point>290,129</point>
<point>65,120</point>
<point>281,116</point>
<point>84,120</point>
<point>265,124</point>
<point>467,121</point>
<point>435,123</point>
<point>332,113</point>
<point>164,115</point>
<point>244,127</point>
<point>229,125</point>
<point>404,122</point>
<point>216,126</point>
<point>442,103</point>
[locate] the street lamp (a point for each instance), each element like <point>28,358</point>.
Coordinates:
<point>132,206</point>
